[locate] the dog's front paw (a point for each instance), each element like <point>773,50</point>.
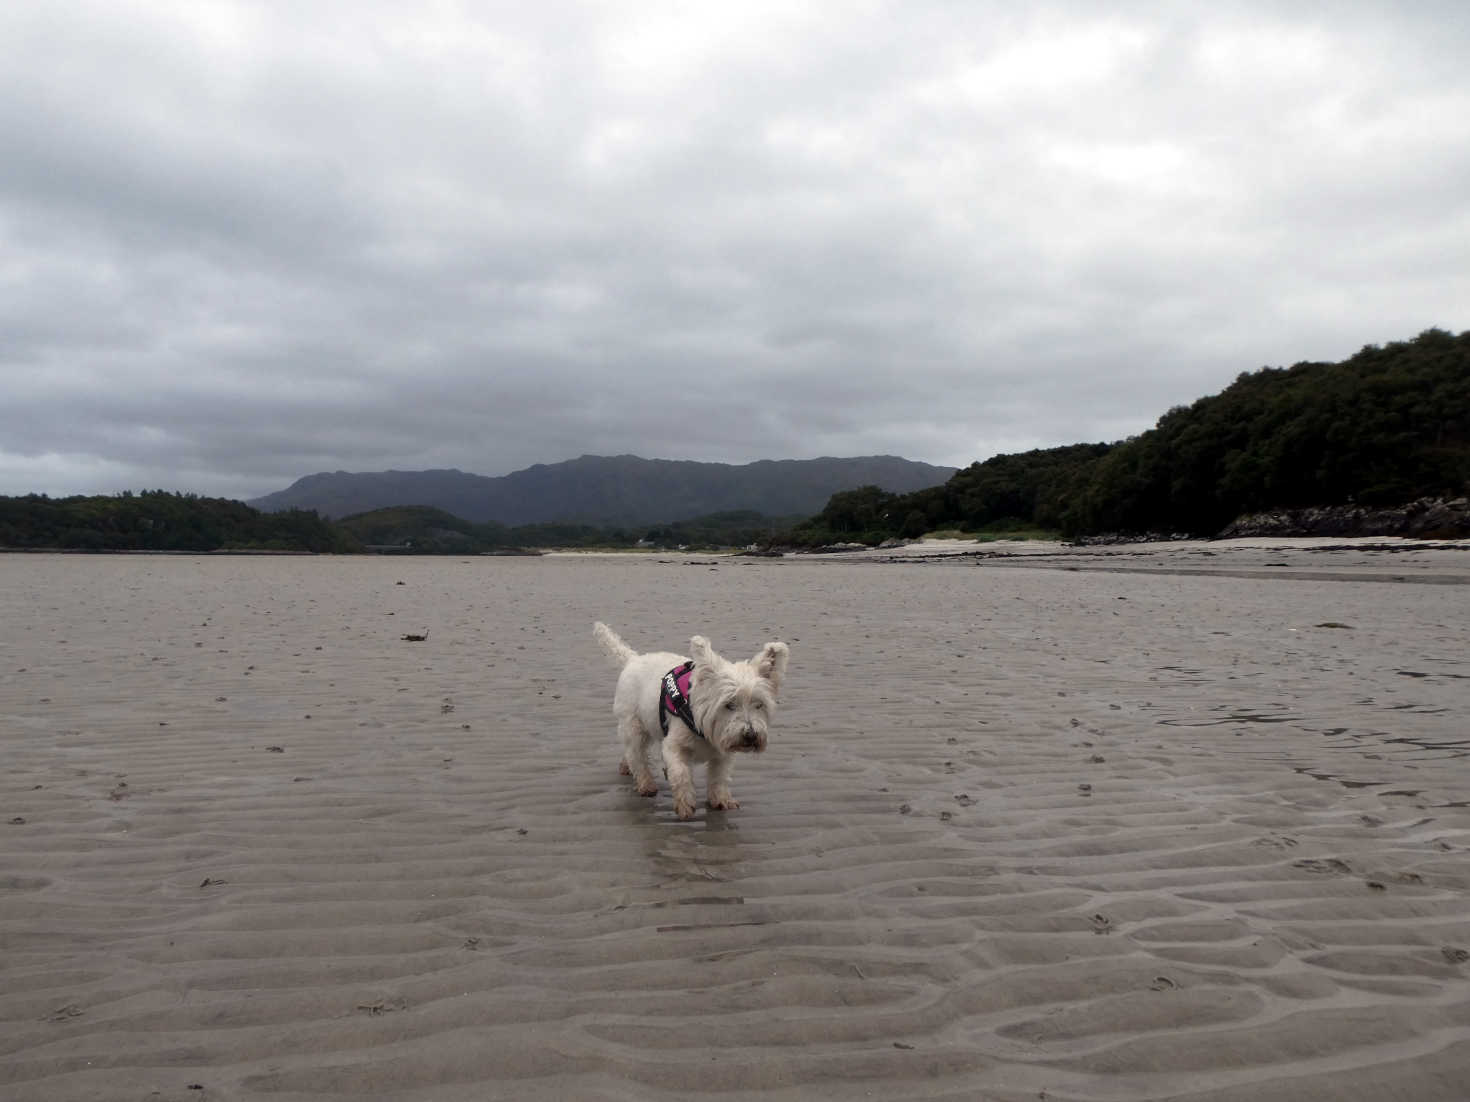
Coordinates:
<point>725,802</point>
<point>648,787</point>
<point>623,769</point>
<point>684,807</point>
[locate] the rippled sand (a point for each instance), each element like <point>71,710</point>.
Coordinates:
<point>1057,829</point>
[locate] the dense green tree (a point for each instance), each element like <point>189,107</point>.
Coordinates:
<point>1028,489</point>
<point>1383,427</point>
<point>156,520</point>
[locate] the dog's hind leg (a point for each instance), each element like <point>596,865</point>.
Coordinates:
<point>635,755</point>
<point>717,784</point>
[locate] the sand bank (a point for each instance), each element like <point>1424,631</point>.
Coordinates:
<point>1368,559</point>
<point>1024,832</point>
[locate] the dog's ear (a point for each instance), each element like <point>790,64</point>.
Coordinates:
<point>770,663</point>
<point>702,653</point>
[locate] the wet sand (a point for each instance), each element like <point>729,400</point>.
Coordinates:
<point>1117,824</point>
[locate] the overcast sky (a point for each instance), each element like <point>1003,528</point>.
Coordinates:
<point>244,242</point>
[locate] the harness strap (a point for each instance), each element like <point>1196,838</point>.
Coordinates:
<point>675,699</point>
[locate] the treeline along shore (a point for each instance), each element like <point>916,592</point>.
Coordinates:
<point>1377,441</point>
<point>1378,444</point>
<point>157,520</point>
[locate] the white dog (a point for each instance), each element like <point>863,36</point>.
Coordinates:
<point>706,709</point>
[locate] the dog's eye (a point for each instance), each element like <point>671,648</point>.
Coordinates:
<point>757,704</point>
<point>730,706</point>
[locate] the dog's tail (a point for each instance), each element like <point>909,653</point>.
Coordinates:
<point>617,650</point>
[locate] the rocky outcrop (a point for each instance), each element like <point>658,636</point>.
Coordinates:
<point>1107,539</point>
<point>1426,518</point>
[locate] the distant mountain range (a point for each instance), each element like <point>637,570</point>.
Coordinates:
<point>609,491</point>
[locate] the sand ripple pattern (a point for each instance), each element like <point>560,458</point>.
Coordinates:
<point>1022,834</point>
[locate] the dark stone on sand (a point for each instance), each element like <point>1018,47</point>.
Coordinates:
<point>1105,539</point>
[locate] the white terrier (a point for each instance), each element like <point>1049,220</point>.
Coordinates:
<point>707,710</point>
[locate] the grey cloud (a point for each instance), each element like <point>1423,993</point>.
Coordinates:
<point>246,242</point>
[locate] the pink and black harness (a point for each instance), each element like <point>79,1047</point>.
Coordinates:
<point>674,700</point>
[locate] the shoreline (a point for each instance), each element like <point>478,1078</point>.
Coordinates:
<point>1386,559</point>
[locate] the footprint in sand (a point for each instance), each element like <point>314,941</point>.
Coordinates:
<point>1276,841</point>
<point>1322,864</point>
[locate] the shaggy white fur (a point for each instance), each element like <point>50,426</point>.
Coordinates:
<point>732,704</point>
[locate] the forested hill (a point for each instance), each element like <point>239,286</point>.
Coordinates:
<point>156,520</point>
<point>1385,427</point>
<point>609,491</point>
<point>159,521</point>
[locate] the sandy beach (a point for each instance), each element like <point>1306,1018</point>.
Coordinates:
<point>1152,822</point>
